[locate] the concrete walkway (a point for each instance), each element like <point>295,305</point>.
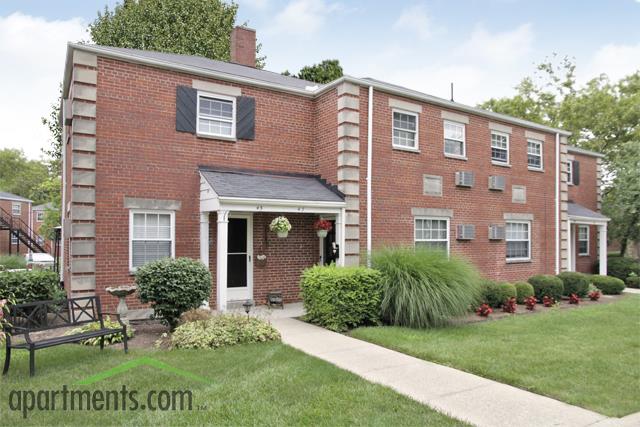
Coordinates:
<point>462,395</point>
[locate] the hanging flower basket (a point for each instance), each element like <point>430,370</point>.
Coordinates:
<point>322,227</point>
<point>281,226</point>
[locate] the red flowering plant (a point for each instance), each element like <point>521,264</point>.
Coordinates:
<point>547,301</point>
<point>530,303</point>
<point>594,295</point>
<point>509,305</point>
<point>322,224</point>
<point>574,299</point>
<point>484,310</point>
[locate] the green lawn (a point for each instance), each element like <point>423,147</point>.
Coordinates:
<point>588,356</point>
<point>258,384</point>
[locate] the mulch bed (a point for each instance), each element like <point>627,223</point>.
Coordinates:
<point>522,310</point>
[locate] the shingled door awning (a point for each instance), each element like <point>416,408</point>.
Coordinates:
<point>579,213</point>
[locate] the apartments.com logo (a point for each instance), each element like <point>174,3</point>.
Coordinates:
<point>123,399</point>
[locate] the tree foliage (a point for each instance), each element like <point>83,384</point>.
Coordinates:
<point>324,72</point>
<point>21,176</point>
<point>190,27</point>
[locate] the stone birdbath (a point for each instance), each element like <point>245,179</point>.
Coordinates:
<point>122,292</point>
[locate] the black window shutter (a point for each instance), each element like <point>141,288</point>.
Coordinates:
<point>576,172</point>
<point>245,117</point>
<point>186,109</point>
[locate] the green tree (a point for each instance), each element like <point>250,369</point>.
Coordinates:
<point>190,27</point>
<point>52,215</point>
<point>324,72</point>
<point>21,176</point>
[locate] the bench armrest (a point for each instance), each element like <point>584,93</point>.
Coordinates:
<point>22,331</point>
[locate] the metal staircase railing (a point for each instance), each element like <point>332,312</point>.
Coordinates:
<point>17,227</point>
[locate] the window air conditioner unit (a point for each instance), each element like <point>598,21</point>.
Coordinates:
<point>496,232</point>
<point>497,183</point>
<point>464,179</point>
<point>466,232</point>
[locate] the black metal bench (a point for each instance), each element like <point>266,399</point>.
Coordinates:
<point>39,316</point>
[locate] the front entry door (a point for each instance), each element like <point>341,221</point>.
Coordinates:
<point>239,262</point>
<point>329,253</point>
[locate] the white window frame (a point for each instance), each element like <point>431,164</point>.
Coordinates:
<point>172,216</point>
<point>506,135</point>
<point>521,259</point>
<point>233,115</point>
<point>570,172</point>
<point>14,239</point>
<point>39,216</point>
<point>433,218</point>
<point>463,140</point>
<point>416,146</point>
<point>581,228</point>
<point>14,211</point>
<point>539,143</point>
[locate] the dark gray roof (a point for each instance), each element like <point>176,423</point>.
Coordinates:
<point>267,185</point>
<point>573,149</point>
<point>10,196</point>
<point>213,65</point>
<point>43,207</point>
<point>580,211</point>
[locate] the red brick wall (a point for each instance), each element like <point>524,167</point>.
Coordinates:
<point>586,194</point>
<point>4,234</point>
<point>397,187</point>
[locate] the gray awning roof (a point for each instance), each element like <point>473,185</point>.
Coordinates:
<point>10,196</point>
<point>269,185</point>
<point>578,211</point>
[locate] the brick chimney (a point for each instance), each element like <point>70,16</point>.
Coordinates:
<point>243,46</point>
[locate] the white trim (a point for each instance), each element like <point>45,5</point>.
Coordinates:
<point>416,140</point>
<point>582,227</point>
<point>464,139</point>
<point>232,293</point>
<point>541,145</point>
<point>506,240</point>
<point>172,218</point>
<point>38,213</point>
<point>506,135</point>
<point>589,220</point>
<point>19,210</point>
<point>433,218</point>
<point>216,96</point>
<point>569,164</point>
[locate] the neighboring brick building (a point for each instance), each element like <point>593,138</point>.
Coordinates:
<point>174,155</point>
<point>19,209</point>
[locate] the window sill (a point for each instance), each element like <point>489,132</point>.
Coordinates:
<point>519,261</point>
<point>584,255</point>
<point>408,149</point>
<point>218,137</point>
<point>455,157</point>
<point>501,164</point>
<point>535,169</point>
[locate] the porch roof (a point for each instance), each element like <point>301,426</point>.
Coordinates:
<point>578,212</point>
<point>246,184</point>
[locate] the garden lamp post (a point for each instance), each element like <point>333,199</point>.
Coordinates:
<point>247,306</point>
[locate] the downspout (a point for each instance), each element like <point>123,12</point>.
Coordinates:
<point>64,195</point>
<point>557,177</point>
<point>369,172</point>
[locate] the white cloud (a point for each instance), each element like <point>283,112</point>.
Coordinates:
<point>504,47</point>
<point>302,17</point>
<point>615,60</point>
<point>255,4</point>
<point>415,20</point>
<point>33,55</point>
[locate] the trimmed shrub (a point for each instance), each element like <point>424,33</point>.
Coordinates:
<point>425,288</point>
<point>12,262</point>
<point>546,284</point>
<point>496,294</point>
<point>574,283</point>
<point>29,286</point>
<point>173,286</point>
<point>607,284</point>
<point>194,315</point>
<point>633,281</point>
<point>620,267</point>
<point>339,298</point>
<point>524,290</point>
<point>95,326</point>
<point>223,330</point>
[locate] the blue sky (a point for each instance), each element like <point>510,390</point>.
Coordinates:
<point>484,47</point>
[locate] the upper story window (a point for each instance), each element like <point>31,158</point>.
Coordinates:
<point>151,237</point>
<point>534,154</point>
<point>16,208</point>
<point>570,172</point>
<point>518,238</point>
<point>454,144</point>
<point>583,240</point>
<point>40,216</point>
<point>500,147</point>
<point>405,130</point>
<point>432,233</point>
<point>14,239</point>
<point>216,115</point>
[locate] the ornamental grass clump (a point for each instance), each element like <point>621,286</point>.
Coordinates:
<point>425,288</point>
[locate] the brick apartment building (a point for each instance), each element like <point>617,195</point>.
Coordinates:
<point>18,209</point>
<point>175,155</point>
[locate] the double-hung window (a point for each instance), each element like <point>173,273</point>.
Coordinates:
<point>40,216</point>
<point>534,154</point>
<point>152,237</point>
<point>454,141</point>
<point>518,238</point>
<point>570,172</point>
<point>405,130</point>
<point>216,115</point>
<point>16,209</point>
<point>432,233</point>
<point>500,147</point>
<point>583,240</point>
<point>14,239</point>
